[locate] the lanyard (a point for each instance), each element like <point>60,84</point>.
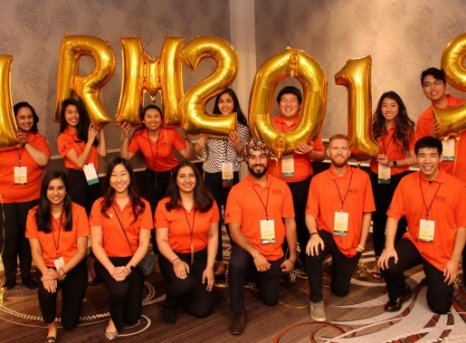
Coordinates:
<point>424,199</point>
<point>156,152</point>
<point>262,203</point>
<point>385,147</point>
<point>57,246</point>
<point>20,154</point>
<point>191,230</point>
<point>342,200</point>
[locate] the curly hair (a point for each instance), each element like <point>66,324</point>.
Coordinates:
<point>404,126</point>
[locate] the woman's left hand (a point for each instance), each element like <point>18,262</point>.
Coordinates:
<point>234,139</point>
<point>208,275</point>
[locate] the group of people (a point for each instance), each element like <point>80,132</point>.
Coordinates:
<point>272,227</point>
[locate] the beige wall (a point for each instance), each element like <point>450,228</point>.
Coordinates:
<point>403,37</point>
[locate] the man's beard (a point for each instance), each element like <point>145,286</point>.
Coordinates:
<point>257,174</point>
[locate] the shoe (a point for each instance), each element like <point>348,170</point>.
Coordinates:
<point>169,316</point>
<point>238,323</point>
<point>317,311</point>
<point>394,306</point>
<point>10,283</point>
<point>51,339</point>
<point>110,335</point>
<point>29,282</point>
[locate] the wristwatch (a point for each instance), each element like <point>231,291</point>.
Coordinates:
<point>394,163</point>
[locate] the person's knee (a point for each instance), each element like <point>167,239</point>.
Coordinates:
<point>439,308</point>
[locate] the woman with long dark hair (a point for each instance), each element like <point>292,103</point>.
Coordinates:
<point>58,231</point>
<point>393,131</point>
<point>186,223</point>
<point>121,223</point>
<point>223,158</point>
<point>21,170</point>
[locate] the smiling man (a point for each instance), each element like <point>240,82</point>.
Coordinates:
<point>260,213</point>
<point>434,204</point>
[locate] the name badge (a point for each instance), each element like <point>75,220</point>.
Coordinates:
<point>59,263</point>
<point>267,231</point>
<point>288,166</point>
<point>91,174</point>
<point>426,230</point>
<point>20,175</point>
<point>227,174</point>
<point>340,226</point>
<point>448,149</point>
<point>384,174</point>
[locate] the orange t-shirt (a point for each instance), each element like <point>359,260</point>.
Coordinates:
<point>68,140</point>
<point>393,150</point>
<point>326,194</point>
<point>180,223</point>
<point>10,157</point>
<point>113,239</point>
<point>424,127</point>
<point>302,162</point>
<point>65,242</point>
<point>246,206</point>
<point>158,155</point>
<point>446,197</point>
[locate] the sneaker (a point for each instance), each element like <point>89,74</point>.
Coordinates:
<point>318,311</point>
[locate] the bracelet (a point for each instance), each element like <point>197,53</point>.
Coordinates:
<point>64,274</point>
<point>394,163</point>
<point>176,258</point>
<point>255,255</point>
<point>362,247</point>
<point>314,233</point>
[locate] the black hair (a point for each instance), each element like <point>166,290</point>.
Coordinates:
<point>428,142</point>
<point>236,106</point>
<point>290,90</point>
<point>137,204</point>
<point>438,74</point>
<point>43,214</point>
<point>83,123</point>
<point>203,200</point>
<point>35,117</point>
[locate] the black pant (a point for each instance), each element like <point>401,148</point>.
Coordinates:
<point>342,269</point>
<point>125,296</point>
<point>242,265</point>
<point>383,194</point>
<point>73,289</point>
<point>439,294</point>
<point>16,244</point>
<point>299,191</point>
<point>153,188</point>
<point>213,182</point>
<point>81,192</point>
<point>190,293</point>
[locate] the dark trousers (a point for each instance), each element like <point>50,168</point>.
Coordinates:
<point>299,191</point>
<point>383,194</point>
<point>342,269</point>
<point>125,296</point>
<point>81,192</point>
<point>153,187</point>
<point>16,244</point>
<point>214,184</point>
<point>242,265</point>
<point>439,294</point>
<point>73,289</point>
<point>190,293</point>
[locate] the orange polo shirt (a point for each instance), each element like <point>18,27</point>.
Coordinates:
<point>66,242</point>
<point>302,162</point>
<point>246,206</point>
<point>67,141</point>
<point>393,150</point>
<point>113,239</point>
<point>447,197</point>
<point>182,224</point>
<point>158,155</point>
<point>325,198</point>
<point>424,127</point>
<point>12,157</point>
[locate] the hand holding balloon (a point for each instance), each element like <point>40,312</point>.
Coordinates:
<point>304,149</point>
<point>234,139</point>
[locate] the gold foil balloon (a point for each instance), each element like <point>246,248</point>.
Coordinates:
<point>194,117</point>
<point>451,121</point>
<point>143,74</point>
<point>308,72</point>
<point>355,76</point>
<point>8,127</point>
<point>86,87</point>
